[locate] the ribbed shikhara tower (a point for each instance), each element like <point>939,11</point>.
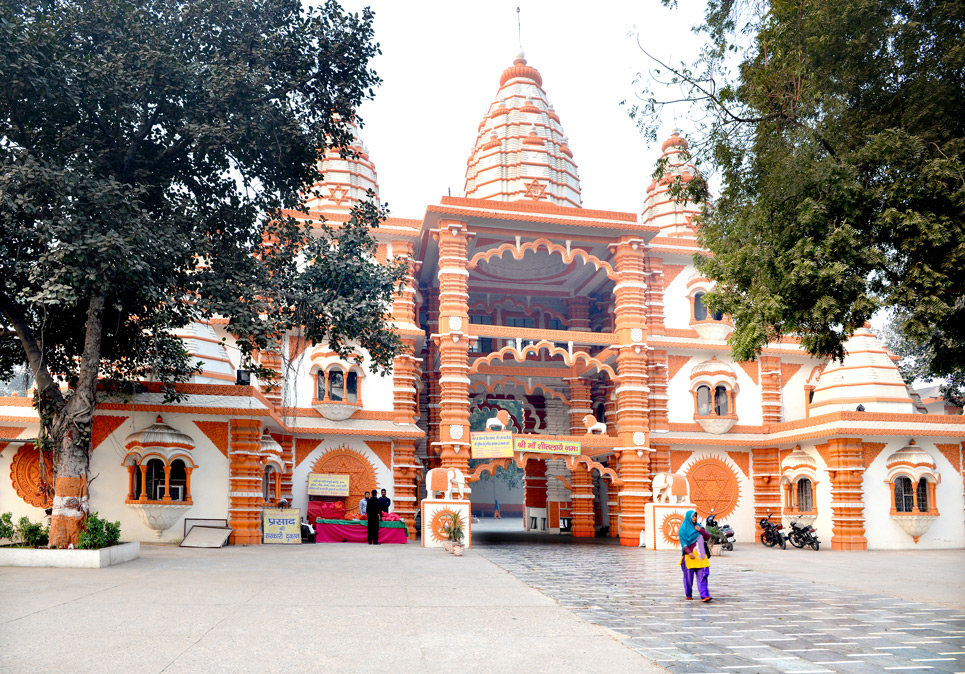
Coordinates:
<point>674,218</point>
<point>521,152</point>
<point>345,180</point>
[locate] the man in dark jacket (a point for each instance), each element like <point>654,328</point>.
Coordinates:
<point>373,511</point>
<point>385,501</point>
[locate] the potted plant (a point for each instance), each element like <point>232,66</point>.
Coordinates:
<point>447,532</point>
<point>456,534</point>
<point>716,536</point>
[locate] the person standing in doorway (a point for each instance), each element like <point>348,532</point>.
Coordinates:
<point>363,503</point>
<point>374,512</point>
<point>694,559</point>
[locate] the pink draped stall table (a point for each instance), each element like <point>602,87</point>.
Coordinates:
<point>356,531</point>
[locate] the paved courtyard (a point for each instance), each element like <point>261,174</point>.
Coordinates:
<point>761,621</point>
<point>514,603</point>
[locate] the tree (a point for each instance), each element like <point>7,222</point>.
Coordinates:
<point>147,151</point>
<point>839,131</point>
<point>916,360</point>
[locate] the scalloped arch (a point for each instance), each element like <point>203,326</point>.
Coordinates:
<point>528,390</point>
<point>553,350</point>
<point>519,252</point>
<point>527,309</point>
<point>591,465</point>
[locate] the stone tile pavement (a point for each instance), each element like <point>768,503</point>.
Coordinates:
<point>758,623</point>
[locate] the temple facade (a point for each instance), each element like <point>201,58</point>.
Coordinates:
<point>590,322</point>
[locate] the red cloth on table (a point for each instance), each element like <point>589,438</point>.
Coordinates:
<point>327,510</point>
<point>326,532</point>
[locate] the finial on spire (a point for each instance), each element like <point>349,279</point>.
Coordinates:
<point>519,30</point>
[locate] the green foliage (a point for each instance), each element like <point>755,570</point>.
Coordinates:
<point>455,529</point>
<point>916,360</point>
<point>839,133</point>
<point>7,529</point>
<point>32,535</point>
<point>98,533</point>
<point>151,157</point>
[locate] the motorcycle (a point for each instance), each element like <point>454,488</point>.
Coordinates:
<point>721,534</point>
<point>801,535</point>
<point>773,533</point>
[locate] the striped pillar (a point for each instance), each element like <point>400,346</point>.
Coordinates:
<point>245,476</point>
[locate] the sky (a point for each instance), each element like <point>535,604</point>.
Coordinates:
<point>440,67</point>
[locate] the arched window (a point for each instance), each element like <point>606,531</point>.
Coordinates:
<point>155,479</point>
<point>904,495</point>
<point>700,311</point>
<point>268,482</point>
<point>352,387</point>
<point>703,400</point>
<point>805,496</point>
<point>178,480</point>
<point>720,401</point>
<point>336,385</point>
<point>922,495</point>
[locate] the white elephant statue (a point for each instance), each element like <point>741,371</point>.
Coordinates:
<point>670,488</point>
<point>446,480</point>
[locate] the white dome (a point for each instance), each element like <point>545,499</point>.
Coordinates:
<point>867,377</point>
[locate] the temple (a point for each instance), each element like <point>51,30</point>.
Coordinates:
<point>588,324</point>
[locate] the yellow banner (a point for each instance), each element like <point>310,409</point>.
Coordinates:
<point>281,526</point>
<point>327,484</point>
<point>491,444</point>
<point>540,446</point>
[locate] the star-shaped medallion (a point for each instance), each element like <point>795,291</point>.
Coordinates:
<point>535,190</point>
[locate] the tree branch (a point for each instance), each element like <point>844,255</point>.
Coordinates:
<point>28,341</point>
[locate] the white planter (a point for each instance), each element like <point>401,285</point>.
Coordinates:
<point>70,559</point>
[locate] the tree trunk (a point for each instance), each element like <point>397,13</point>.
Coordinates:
<point>70,428</point>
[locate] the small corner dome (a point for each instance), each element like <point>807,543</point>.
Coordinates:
<point>798,458</point>
<point>159,434</point>
<point>867,378</point>
<point>911,456</point>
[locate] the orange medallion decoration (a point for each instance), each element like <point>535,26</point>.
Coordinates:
<point>360,471</point>
<point>25,476</point>
<point>671,527</point>
<point>713,484</point>
<point>441,520</point>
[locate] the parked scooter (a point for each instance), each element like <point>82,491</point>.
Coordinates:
<point>773,533</point>
<point>801,535</point>
<point>725,534</point>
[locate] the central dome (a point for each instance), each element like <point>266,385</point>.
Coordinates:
<point>521,153</point>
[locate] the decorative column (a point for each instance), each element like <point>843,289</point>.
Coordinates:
<point>557,494</point>
<point>406,374</point>
<point>143,497</point>
<point>582,482</point>
<point>433,416</point>
<point>770,389</point>
<point>167,483</point>
<point>633,407</point>
<point>767,485</point>
<point>578,313</point>
<point>130,481</point>
<point>613,499</point>
<point>579,395</point>
<point>534,487</point>
<point>244,491</point>
<point>453,343</point>
<point>846,470</point>
<point>610,406</point>
<point>658,377</point>
<point>287,443</point>
<point>272,361</point>
<point>655,288</point>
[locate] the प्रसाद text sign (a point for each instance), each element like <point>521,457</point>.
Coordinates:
<point>491,444</point>
<point>327,484</point>
<point>281,526</point>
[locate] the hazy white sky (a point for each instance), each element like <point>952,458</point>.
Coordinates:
<point>440,67</point>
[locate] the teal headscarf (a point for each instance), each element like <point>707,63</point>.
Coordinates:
<point>687,533</point>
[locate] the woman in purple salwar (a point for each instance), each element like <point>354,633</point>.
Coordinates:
<point>694,560</point>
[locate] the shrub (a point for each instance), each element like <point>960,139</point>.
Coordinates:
<point>7,529</point>
<point>32,535</point>
<point>98,533</point>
